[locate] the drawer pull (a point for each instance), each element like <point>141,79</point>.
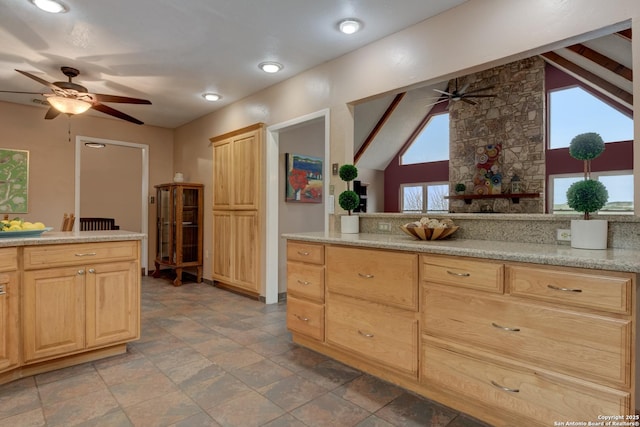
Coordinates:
<point>453,273</point>
<point>366,276</point>
<point>557,288</point>
<point>503,388</point>
<point>87,254</point>
<point>364,334</point>
<point>304,282</point>
<point>303,253</point>
<point>2,290</point>
<point>304,319</point>
<point>505,328</point>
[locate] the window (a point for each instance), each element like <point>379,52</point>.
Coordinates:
<point>431,144</point>
<point>619,186</point>
<point>427,197</point>
<point>573,111</point>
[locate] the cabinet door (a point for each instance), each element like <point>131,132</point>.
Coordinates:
<point>222,174</point>
<point>246,159</point>
<point>9,299</point>
<point>245,249</point>
<point>53,312</point>
<point>222,246</point>
<point>112,303</point>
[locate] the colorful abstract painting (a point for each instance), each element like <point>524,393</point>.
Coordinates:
<point>303,178</point>
<point>14,181</point>
<point>488,177</point>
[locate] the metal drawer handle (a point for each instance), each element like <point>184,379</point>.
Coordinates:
<point>503,388</point>
<point>495,325</point>
<point>2,291</point>
<point>557,288</point>
<point>366,276</point>
<point>87,254</point>
<point>458,274</point>
<point>364,334</point>
<point>304,319</point>
<point>304,282</point>
<point>303,253</point>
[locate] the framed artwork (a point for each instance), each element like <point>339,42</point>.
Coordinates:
<point>14,181</point>
<point>303,178</point>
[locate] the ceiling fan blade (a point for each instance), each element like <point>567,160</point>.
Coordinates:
<point>123,99</point>
<point>479,90</point>
<point>13,91</point>
<point>443,92</point>
<point>464,88</point>
<point>437,102</point>
<point>115,113</point>
<point>468,101</point>
<point>39,80</point>
<point>52,113</point>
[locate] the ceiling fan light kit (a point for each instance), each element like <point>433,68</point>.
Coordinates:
<point>51,6</point>
<point>68,105</point>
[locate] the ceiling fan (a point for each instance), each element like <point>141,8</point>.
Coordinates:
<point>71,98</point>
<point>463,94</point>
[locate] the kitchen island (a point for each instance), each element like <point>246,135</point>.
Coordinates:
<point>511,333</point>
<point>67,298</point>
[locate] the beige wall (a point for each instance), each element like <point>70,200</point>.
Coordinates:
<point>52,157</point>
<point>469,38</point>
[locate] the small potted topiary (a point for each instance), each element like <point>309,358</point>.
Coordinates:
<point>349,200</point>
<point>460,188</point>
<point>587,196</point>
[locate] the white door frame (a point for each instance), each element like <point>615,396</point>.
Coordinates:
<point>80,140</point>
<point>274,192</point>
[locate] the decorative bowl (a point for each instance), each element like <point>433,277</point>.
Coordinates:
<point>24,233</point>
<point>424,233</point>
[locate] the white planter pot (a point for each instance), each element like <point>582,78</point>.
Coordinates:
<point>589,234</point>
<point>349,224</point>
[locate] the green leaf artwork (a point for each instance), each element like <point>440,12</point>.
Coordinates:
<point>14,180</point>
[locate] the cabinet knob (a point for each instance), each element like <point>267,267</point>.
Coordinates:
<point>81,272</point>
<point>92,270</point>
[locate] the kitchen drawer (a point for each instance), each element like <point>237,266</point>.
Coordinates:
<point>387,277</point>
<point>600,290</point>
<point>378,333</point>
<point>527,395</point>
<point>305,280</point>
<point>82,253</point>
<point>8,259</point>
<point>464,272</point>
<point>574,343</point>
<point>305,252</point>
<point>305,318</point>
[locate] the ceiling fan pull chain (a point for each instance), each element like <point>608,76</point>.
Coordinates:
<point>69,127</point>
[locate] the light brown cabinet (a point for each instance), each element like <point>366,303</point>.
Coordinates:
<point>179,229</point>
<point>70,306</point>
<point>238,215</point>
<point>9,309</point>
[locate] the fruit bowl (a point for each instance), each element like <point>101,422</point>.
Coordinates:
<point>425,233</point>
<point>23,233</point>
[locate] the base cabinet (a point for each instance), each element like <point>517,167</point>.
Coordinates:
<point>9,310</point>
<point>508,343</point>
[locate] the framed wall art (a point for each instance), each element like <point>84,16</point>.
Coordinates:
<point>303,178</point>
<point>14,181</point>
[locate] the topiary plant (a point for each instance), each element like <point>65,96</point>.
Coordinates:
<point>348,199</point>
<point>587,196</point>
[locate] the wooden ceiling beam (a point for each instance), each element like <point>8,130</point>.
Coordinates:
<point>626,34</point>
<point>602,60</point>
<point>387,114</point>
<point>597,81</point>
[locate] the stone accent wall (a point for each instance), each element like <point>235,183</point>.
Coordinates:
<point>515,119</point>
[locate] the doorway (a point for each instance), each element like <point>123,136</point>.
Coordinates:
<point>110,177</point>
<point>275,190</point>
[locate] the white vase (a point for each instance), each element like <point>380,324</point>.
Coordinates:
<point>349,224</point>
<point>589,234</point>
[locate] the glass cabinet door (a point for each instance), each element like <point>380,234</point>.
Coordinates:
<point>164,250</point>
<point>190,226</point>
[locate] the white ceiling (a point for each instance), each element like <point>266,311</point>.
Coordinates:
<point>171,52</point>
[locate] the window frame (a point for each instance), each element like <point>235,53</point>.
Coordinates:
<point>416,134</point>
<point>425,196</point>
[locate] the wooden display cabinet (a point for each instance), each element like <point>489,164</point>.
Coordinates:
<point>179,229</point>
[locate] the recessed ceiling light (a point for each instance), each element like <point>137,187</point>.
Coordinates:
<point>270,67</point>
<point>349,25</point>
<point>211,97</point>
<point>51,6</point>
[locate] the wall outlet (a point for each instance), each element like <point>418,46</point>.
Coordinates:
<point>384,226</point>
<point>563,234</point>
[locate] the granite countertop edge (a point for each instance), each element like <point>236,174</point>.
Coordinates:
<point>61,237</point>
<point>626,260</point>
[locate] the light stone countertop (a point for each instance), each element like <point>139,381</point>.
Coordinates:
<point>61,237</point>
<point>609,259</point>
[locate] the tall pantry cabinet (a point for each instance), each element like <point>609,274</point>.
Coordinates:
<point>238,209</point>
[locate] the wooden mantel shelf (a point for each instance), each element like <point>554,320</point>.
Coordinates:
<point>515,197</point>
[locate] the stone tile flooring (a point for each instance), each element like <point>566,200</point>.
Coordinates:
<point>208,357</point>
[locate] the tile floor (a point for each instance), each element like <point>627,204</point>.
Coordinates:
<point>208,357</point>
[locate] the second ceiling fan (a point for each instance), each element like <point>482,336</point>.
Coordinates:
<point>463,94</point>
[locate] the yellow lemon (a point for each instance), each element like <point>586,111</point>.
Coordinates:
<point>38,225</point>
<point>4,221</point>
<point>15,227</point>
<point>15,222</point>
<point>28,226</point>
